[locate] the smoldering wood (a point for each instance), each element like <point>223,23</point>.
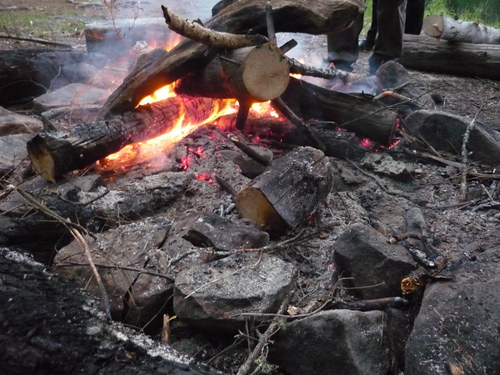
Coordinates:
<point>316,17</point>
<point>463,59</point>
<point>63,332</point>
<point>459,31</point>
<point>355,113</point>
<point>27,73</point>
<point>55,153</point>
<point>289,191</point>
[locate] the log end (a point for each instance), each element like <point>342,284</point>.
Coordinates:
<point>41,159</point>
<point>266,72</point>
<point>253,205</point>
<point>433,26</point>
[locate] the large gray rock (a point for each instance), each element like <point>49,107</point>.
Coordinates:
<point>337,342</point>
<point>135,297</point>
<point>214,295</point>
<point>458,323</point>
<point>75,94</point>
<point>13,151</point>
<point>376,267</point>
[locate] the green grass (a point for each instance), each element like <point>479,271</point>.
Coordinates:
<point>38,25</point>
<point>486,12</point>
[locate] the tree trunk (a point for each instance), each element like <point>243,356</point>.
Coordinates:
<point>463,59</point>
<point>453,30</point>
<point>288,192</point>
<point>56,153</point>
<point>316,17</point>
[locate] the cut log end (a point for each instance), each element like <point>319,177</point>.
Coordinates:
<point>253,205</point>
<point>433,26</point>
<point>266,72</point>
<point>41,159</point>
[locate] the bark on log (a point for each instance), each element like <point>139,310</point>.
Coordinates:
<point>254,74</point>
<point>463,59</point>
<point>316,17</point>
<point>50,326</point>
<point>27,73</point>
<point>354,113</point>
<point>55,153</point>
<point>459,31</point>
<point>288,192</point>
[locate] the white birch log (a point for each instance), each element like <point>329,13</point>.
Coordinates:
<point>460,31</point>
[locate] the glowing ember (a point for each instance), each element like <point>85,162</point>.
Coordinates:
<point>365,142</point>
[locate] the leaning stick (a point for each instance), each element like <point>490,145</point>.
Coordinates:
<point>196,31</point>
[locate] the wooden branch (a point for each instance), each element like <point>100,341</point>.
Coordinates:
<point>39,41</point>
<point>216,39</point>
<point>459,31</point>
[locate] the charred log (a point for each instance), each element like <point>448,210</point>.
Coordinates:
<point>55,153</point>
<point>355,113</point>
<point>189,56</point>
<point>288,192</point>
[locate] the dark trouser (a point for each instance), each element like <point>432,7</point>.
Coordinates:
<point>390,14</point>
<point>414,19</point>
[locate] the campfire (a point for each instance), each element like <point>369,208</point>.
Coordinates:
<point>224,186</point>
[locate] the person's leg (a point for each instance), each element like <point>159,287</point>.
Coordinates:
<point>391,24</point>
<point>368,43</point>
<point>343,45</point>
<point>414,16</point>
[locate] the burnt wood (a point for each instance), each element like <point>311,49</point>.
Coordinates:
<point>288,192</point>
<point>318,17</point>
<point>55,153</point>
<point>359,114</point>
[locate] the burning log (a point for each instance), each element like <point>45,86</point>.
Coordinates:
<point>316,17</point>
<point>454,30</point>
<point>464,59</point>
<point>56,153</point>
<point>288,192</point>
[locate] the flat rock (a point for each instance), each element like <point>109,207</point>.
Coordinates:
<point>13,151</point>
<point>214,295</point>
<point>75,94</point>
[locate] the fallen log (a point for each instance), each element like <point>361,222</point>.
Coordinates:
<point>355,113</point>
<point>463,59</point>
<point>288,192</point>
<point>316,17</point>
<point>54,153</point>
<point>459,31</point>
